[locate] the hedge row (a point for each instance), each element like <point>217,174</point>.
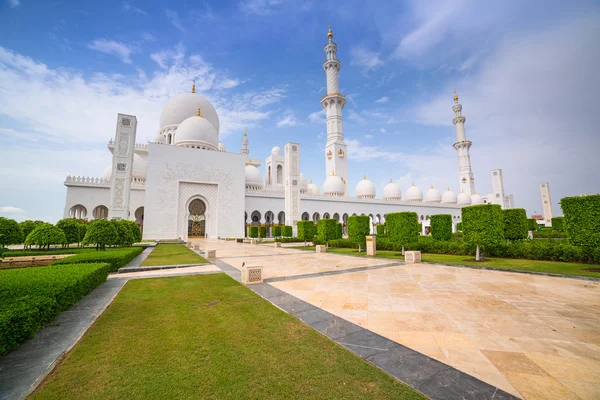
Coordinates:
<point>116,258</point>
<point>288,240</point>
<point>359,227</point>
<point>286,231</point>
<point>558,223</point>
<point>32,297</point>
<point>549,234</point>
<point>582,220</point>
<point>515,224</point>
<point>441,227</point>
<point>327,229</point>
<point>49,252</point>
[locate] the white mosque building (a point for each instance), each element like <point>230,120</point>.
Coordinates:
<point>184,183</point>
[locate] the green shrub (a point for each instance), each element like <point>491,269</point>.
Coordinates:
<point>276,231</point>
<point>124,233</point>
<point>327,229</point>
<point>441,227</point>
<point>134,228</point>
<point>45,235</point>
<point>549,234</point>
<point>340,231</point>
<point>558,223</point>
<point>47,252</point>
<point>306,230</point>
<point>116,258</point>
<point>10,232</point>
<point>380,230</point>
<point>287,231</point>
<point>343,243</point>
<point>32,297</point>
<point>253,231</point>
<point>582,220</point>
<point>262,231</point>
<point>70,228</point>
<point>402,227</point>
<point>483,226</point>
<point>515,224</point>
<point>457,236</point>
<point>288,240</point>
<point>82,231</point>
<point>28,226</point>
<point>532,224</point>
<point>100,232</point>
<point>459,226</point>
<point>359,229</point>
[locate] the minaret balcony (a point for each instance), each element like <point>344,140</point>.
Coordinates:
<point>333,95</point>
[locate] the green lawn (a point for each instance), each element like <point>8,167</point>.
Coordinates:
<point>552,267</point>
<point>172,254</point>
<point>209,337</point>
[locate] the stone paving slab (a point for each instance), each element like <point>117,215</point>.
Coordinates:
<point>157,267</point>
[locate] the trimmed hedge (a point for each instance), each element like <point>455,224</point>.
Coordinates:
<point>459,226</point>
<point>327,229</point>
<point>32,297</point>
<point>343,243</point>
<point>582,220</point>
<point>380,230</point>
<point>48,252</point>
<point>483,225</point>
<point>288,240</point>
<point>402,227</point>
<point>116,258</point>
<point>286,231</point>
<point>262,231</point>
<point>306,230</point>
<point>532,224</point>
<point>339,231</point>
<point>359,229</point>
<point>558,223</point>
<point>549,234</point>
<point>276,231</point>
<point>253,231</point>
<point>515,224</point>
<point>441,227</point>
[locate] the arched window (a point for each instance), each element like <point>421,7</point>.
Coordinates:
<point>279,174</point>
<point>78,211</point>
<point>169,138</point>
<point>305,216</point>
<point>281,218</point>
<point>326,216</point>
<point>100,212</point>
<point>197,218</point>
<point>316,217</point>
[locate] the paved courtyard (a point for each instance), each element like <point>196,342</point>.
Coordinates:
<point>533,336</point>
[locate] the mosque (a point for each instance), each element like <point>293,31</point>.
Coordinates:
<point>184,183</point>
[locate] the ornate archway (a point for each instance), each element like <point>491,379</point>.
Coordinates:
<point>197,219</point>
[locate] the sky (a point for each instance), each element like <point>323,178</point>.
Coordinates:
<point>526,73</point>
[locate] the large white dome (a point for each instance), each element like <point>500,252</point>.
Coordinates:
<point>476,199</point>
<point>303,184</point>
<point>107,172</point>
<point>392,191</point>
<point>334,186</point>
<point>253,176</point>
<point>197,131</point>
<point>185,105</point>
<point>449,197</point>
<point>463,199</point>
<point>276,151</point>
<point>313,189</point>
<point>140,167</point>
<point>158,138</point>
<point>365,189</point>
<point>433,195</point>
<point>414,194</point>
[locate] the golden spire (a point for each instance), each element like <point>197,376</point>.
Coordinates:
<point>245,134</point>
<point>413,183</point>
<point>332,173</point>
<point>390,180</point>
<point>329,34</point>
<point>194,86</point>
<point>431,186</point>
<point>455,95</point>
<point>448,188</point>
<point>310,180</point>
<point>364,177</point>
<point>199,115</point>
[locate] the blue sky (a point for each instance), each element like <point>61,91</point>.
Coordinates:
<point>526,74</point>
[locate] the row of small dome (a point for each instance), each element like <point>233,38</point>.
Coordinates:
<point>334,186</point>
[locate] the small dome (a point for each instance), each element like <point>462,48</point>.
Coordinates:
<point>197,131</point>
<point>449,197</point>
<point>183,106</point>
<point>276,151</point>
<point>221,147</point>
<point>464,199</point>
<point>392,191</point>
<point>365,189</point>
<point>476,199</point>
<point>140,167</point>
<point>414,194</point>
<point>303,184</point>
<point>253,177</point>
<point>334,186</point>
<point>159,138</point>
<point>433,195</point>
<point>313,189</point>
<point>107,172</point>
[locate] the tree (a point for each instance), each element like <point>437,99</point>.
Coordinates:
<point>515,224</point>
<point>253,232</point>
<point>358,229</point>
<point>483,226</point>
<point>124,233</point>
<point>558,223</point>
<point>582,220</point>
<point>135,230</point>
<point>100,232</point>
<point>70,228</point>
<point>327,229</point>
<point>276,231</point>
<point>441,227</point>
<point>402,227</point>
<point>44,235</point>
<point>28,226</point>
<point>10,232</point>
<point>82,230</point>
<point>306,230</point>
<point>380,230</point>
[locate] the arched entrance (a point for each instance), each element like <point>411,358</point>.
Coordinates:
<point>197,219</point>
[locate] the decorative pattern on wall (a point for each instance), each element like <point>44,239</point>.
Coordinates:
<point>119,186</point>
<point>209,193</point>
<point>123,143</point>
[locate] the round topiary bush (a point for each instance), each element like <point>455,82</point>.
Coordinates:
<point>483,226</point>
<point>441,227</point>
<point>515,224</point>
<point>10,232</point>
<point>102,233</point>
<point>358,229</point>
<point>70,228</point>
<point>45,235</point>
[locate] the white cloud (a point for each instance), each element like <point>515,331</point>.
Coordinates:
<point>383,99</point>
<point>365,59</point>
<point>260,7</point>
<point>469,63</point>
<point>368,136</point>
<point>14,3</point>
<point>112,47</point>
<point>128,7</point>
<point>173,18</point>
<point>382,130</point>
<point>317,117</point>
<point>288,120</point>
<point>11,210</point>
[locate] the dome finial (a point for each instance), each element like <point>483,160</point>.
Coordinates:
<point>431,186</point>
<point>330,33</point>
<point>245,134</point>
<point>194,86</point>
<point>364,177</point>
<point>455,95</point>
<point>199,114</point>
<point>332,173</point>
<point>311,180</point>
<point>413,183</point>
<point>390,180</point>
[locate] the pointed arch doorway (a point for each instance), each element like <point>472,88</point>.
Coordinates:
<point>197,219</point>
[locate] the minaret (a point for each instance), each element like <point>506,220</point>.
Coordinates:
<point>245,144</point>
<point>333,103</point>
<point>462,146</point>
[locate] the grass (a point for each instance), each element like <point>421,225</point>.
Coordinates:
<point>515,264</point>
<point>209,337</point>
<point>172,254</point>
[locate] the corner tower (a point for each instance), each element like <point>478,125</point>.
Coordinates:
<point>462,146</point>
<point>333,102</point>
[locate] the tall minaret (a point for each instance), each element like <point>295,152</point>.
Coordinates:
<point>244,149</point>
<point>462,146</point>
<point>333,102</point>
